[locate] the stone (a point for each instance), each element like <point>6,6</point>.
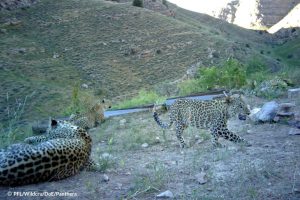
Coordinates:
<point>55,55</point>
<point>294,93</point>
<point>145,145</point>
<point>105,178</point>
<point>201,178</point>
<point>165,195</point>
<point>122,122</point>
<point>119,186</point>
<point>285,109</point>
<point>294,123</point>
<point>294,131</point>
<point>85,86</point>
<point>267,112</point>
<point>285,114</point>
<point>253,113</point>
<point>286,106</point>
<point>3,30</point>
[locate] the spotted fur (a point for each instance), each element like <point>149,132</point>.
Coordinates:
<point>212,115</point>
<point>93,117</point>
<point>61,153</point>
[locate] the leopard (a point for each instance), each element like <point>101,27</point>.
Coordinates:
<point>206,114</point>
<point>62,152</point>
<point>93,117</point>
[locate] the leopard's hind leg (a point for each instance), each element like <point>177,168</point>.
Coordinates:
<point>179,130</point>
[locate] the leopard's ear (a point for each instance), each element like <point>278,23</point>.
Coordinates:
<point>228,99</point>
<point>53,123</point>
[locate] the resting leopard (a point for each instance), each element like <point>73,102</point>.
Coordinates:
<point>212,115</point>
<point>93,117</point>
<point>62,152</point>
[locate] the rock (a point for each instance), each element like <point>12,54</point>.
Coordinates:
<point>286,106</point>
<point>201,178</point>
<point>252,115</point>
<point>294,93</point>
<point>157,139</point>
<point>165,195</point>
<point>55,55</point>
<point>122,122</point>
<point>3,30</point>
<point>294,123</point>
<point>267,112</point>
<point>294,131</point>
<point>285,109</point>
<point>105,178</point>
<point>119,186</point>
<point>285,114</point>
<point>85,86</point>
<point>145,145</point>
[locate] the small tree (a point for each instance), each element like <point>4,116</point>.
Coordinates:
<point>138,3</point>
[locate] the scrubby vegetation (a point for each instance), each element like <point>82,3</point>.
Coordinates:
<point>144,97</point>
<point>231,75</point>
<point>12,130</point>
<point>254,76</point>
<point>138,3</point>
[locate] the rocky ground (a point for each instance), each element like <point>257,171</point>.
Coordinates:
<point>140,161</point>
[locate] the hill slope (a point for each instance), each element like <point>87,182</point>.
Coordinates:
<point>113,48</point>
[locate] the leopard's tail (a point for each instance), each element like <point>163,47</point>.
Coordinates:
<point>160,123</point>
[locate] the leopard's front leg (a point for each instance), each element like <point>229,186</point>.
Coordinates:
<point>228,135</point>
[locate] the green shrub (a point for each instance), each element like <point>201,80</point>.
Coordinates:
<point>165,3</point>
<point>138,3</point>
<point>230,75</point>
<point>256,65</point>
<point>144,97</point>
<point>81,101</point>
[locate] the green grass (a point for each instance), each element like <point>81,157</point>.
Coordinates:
<point>12,131</point>
<point>230,75</point>
<point>152,181</point>
<point>143,98</point>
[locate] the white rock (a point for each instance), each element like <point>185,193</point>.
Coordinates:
<point>165,195</point>
<point>122,122</point>
<point>55,55</point>
<point>201,178</point>
<point>294,93</point>
<point>145,145</point>
<point>105,178</point>
<point>267,112</point>
<point>85,86</point>
<point>252,115</point>
<point>294,131</point>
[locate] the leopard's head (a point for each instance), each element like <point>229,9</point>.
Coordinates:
<point>63,128</point>
<point>237,106</point>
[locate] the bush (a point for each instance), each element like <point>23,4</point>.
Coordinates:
<point>138,3</point>
<point>231,75</point>
<point>165,3</point>
<point>81,101</point>
<point>144,97</point>
<point>256,65</point>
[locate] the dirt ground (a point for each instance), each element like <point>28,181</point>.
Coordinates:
<point>139,161</point>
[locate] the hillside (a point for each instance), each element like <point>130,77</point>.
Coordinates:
<point>115,49</point>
